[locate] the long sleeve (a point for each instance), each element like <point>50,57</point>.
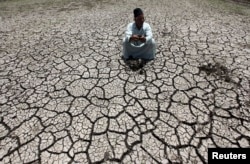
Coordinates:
<point>128,32</point>
<point>149,33</point>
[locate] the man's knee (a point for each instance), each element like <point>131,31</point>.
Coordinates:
<point>124,44</point>
<point>152,43</point>
<point>123,41</point>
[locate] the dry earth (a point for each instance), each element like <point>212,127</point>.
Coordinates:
<point>66,96</point>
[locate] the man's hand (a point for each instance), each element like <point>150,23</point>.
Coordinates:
<point>142,39</point>
<point>137,38</point>
<point>134,38</point>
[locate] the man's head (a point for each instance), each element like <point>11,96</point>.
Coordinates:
<point>138,17</point>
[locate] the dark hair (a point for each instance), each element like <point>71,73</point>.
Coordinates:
<point>137,12</point>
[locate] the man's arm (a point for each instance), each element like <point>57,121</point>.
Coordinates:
<point>129,34</point>
<point>149,34</point>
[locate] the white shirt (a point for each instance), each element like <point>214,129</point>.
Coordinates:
<point>144,31</point>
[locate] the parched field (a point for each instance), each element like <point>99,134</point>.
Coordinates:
<point>66,95</point>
